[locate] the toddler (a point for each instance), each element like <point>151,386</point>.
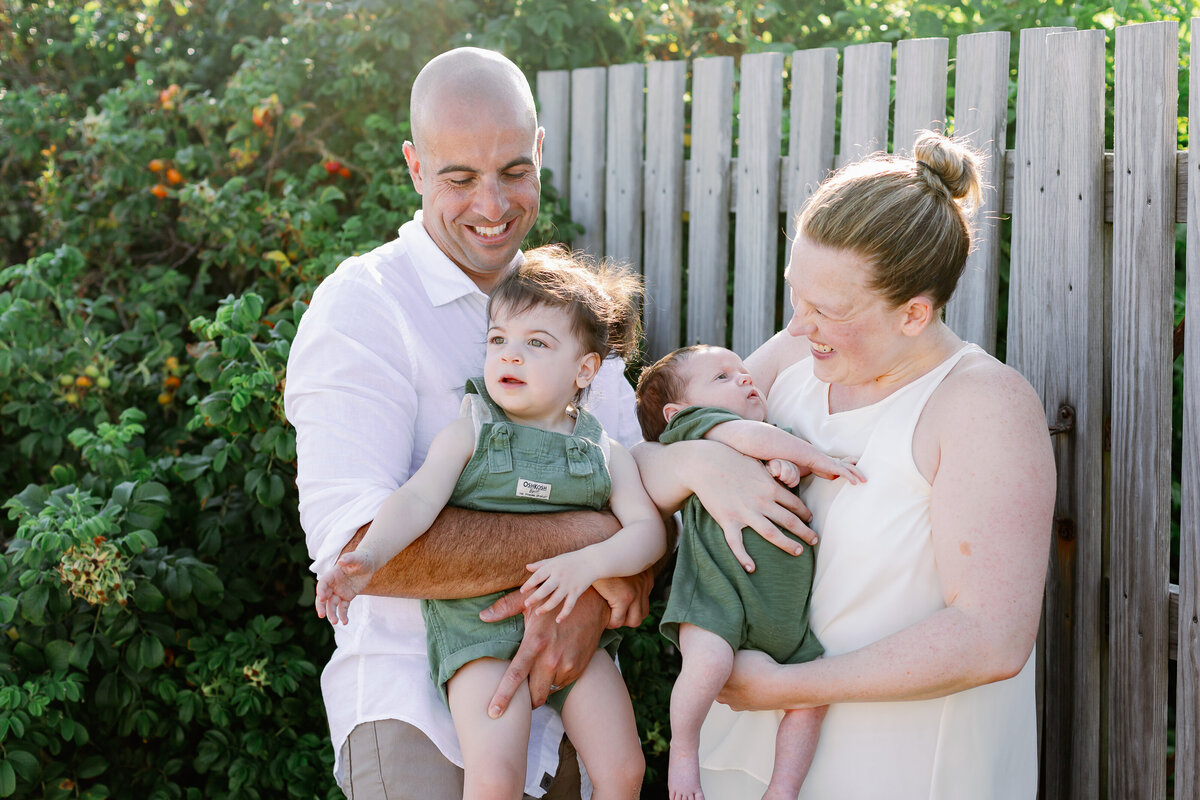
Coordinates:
<point>523,443</point>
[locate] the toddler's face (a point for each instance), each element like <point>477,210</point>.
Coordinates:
<point>717,377</point>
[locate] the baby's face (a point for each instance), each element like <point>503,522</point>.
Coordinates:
<point>717,377</point>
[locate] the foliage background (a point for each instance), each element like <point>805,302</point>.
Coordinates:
<point>176,176</point>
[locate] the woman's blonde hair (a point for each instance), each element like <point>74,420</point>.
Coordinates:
<point>910,218</point>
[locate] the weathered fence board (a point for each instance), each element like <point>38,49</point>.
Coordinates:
<point>588,107</point>
<point>666,83</point>
<point>623,176</point>
<point>920,89</point>
<point>866,84</point>
<point>708,196</point>
<point>756,231</point>
<point>1187,688</point>
<point>554,101</point>
<point>810,135</point>
<point>1056,307</point>
<point>1143,279</point>
<point>981,118</point>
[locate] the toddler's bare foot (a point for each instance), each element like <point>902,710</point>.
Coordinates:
<point>683,774</point>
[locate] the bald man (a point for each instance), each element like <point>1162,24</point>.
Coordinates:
<point>377,368</point>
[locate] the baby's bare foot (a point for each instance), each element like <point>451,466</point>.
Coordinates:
<point>683,774</point>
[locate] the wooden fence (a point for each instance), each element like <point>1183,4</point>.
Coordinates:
<point>1090,303</point>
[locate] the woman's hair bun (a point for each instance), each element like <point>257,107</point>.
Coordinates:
<point>949,166</point>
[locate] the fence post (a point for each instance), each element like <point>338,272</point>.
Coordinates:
<point>756,232</point>
<point>554,115</point>
<point>1147,61</point>
<point>921,77</point>
<point>663,258</point>
<point>1187,691</point>
<point>866,80</point>
<point>1056,341</point>
<point>981,118</point>
<point>588,127</point>
<point>623,160</point>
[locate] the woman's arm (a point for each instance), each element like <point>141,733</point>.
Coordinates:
<point>736,490</point>
<point>983,439</point>
<point>641,540</point>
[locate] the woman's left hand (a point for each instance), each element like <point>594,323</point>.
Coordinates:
<point>751,684</point>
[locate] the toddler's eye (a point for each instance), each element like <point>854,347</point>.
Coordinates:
<point>536,343</point>
<point>496,340</point>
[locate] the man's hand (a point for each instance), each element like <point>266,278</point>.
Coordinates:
<point>628,598</point>
<point>552,654</point>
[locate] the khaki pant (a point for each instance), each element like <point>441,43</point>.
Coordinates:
<point>392,760</point>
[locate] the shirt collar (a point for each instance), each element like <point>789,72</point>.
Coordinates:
<point>441,278</point>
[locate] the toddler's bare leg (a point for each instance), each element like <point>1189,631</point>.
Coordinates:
<point>599,721</point>
<point>494,750</point>
<point>707,662</point>
<point>795,744</point>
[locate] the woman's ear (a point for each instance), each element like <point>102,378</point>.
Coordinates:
<point>918,314</point>
<point>589,365</point>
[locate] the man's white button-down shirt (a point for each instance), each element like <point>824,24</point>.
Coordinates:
<point>377,368</point>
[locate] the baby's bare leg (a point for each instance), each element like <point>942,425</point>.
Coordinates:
<point>494,750</point>
<point>795,744</point>
<point>707,662</point>
<point>599,721</point>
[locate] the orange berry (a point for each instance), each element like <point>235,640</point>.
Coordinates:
<point>156,165</point>
<point>159,191</point>
<point>173,176</point>
<point>344,172</point>
<point>164,399</point>
<point>332,166</point>
<point>171,382</point>
<point>83,382</point>
<point>172,363</point>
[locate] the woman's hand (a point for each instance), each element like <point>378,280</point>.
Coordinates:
<point>752,684</point>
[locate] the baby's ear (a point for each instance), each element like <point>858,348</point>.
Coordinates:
<point>589,365</point>
<point>671,409</point>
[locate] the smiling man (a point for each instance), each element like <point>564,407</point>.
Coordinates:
<point>376,370</point>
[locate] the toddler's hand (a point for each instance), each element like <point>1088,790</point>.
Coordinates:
<point>784,471</point>
<point>561,579</point>
<point>349,576</point>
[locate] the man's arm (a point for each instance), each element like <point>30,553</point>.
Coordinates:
<point>469,553</point>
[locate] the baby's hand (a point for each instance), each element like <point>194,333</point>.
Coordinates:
<point>784,471</point>
<point>561,579</point>
<point>349,576</point>
<point>830,468</point>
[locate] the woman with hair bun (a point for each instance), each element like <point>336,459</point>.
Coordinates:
<point>929,576</point>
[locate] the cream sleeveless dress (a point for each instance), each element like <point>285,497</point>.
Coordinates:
<point>876,575</point>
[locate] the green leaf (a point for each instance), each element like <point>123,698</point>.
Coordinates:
<point>33,602</point>
<point>25,763</point>
<point>8,607</point>
<point>8,779</point>
<point>152,492</point>
<point>81,652</point>
<point>150,652</point>
<point>207,586</point>
<point>91,767</point>
<point>58,655</point>
<point>147,597</point>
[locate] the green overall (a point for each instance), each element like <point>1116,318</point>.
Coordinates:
<point>515,468</point>
<point>763,610</point>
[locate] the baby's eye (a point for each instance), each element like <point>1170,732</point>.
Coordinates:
<point>494,340</point>
<point>721,376</point>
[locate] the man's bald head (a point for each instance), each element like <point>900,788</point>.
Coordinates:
<point>482,79</point>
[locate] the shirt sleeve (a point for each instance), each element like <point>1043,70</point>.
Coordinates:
<point>611,400</point>
<point>350,396</point>
<point>693,422</point>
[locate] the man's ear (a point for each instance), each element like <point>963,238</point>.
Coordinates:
<point>589,365</point>
<point>918,314</point>
<point>671,409</point>
<point>537,149</point>
<point>414,165</point>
